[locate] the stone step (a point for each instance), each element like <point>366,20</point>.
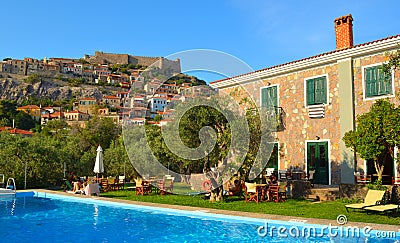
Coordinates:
<point>325,194</point>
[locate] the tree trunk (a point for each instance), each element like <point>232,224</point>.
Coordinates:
<point>379,169</point>
<point>217,194</point>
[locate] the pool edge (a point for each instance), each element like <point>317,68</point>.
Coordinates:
<point>289,219</point>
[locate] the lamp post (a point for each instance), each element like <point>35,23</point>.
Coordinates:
<point>65,168</point>
<point>26,167</point>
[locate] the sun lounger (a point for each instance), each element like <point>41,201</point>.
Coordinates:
<point>371,199</point>
<point>383,208</point>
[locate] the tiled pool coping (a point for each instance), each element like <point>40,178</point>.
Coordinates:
<point>292,219</point>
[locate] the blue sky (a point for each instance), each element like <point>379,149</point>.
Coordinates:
<point>261,33</point>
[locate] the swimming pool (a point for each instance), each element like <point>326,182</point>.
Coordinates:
<point>54,218</point>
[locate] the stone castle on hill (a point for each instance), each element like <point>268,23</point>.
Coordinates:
<point>107,58</point>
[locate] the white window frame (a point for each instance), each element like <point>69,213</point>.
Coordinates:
<point>305,88</point>
<point>363,84</point>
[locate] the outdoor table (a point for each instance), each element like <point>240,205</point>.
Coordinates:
<point>92,189</point>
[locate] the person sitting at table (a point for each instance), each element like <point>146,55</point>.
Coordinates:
<point>79,185</point>
<point>272,180</point>
<point>235,188</point>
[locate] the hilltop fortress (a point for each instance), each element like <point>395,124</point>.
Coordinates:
<point>107,58</point>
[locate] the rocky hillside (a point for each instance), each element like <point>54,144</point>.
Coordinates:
<point>14,88</point>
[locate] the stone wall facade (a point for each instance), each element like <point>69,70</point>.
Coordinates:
<point>300,128</point>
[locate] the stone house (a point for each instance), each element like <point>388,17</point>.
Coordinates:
<point>33,110</point>
<point>87,105</point>
<point>47,116</point>
<point>76,115</point>
<point>111,101</point>
<point>318,99</point>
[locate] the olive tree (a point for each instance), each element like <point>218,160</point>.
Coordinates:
<point>376,134</point>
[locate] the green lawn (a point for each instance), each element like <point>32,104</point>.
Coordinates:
<point>292,207</point>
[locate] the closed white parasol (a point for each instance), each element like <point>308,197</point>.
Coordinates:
<point>99,166</point>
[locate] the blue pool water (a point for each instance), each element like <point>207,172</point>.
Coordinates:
<point>54,218</point>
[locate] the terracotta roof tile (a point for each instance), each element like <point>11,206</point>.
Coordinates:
<point>16,131</point>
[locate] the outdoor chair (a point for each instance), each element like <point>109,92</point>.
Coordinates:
<point>277,193</point>
<point>121,182</point>
<point>384,208</point>
<point>311,177</point>
<point>269,171</point>
<point>69,186</point>
<point>372,198</point>
<point>165,186</point>
<point>252,193</point>
<point>142,187</point>
<point>282,175</point>
<point>105,187</point>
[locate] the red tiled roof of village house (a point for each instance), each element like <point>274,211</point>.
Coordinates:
<point>110,97</point>
<point>308,58</point>
<point>16,131</point>
<point>87,99</point>
<point>54,115</point>
<point>29,107</point>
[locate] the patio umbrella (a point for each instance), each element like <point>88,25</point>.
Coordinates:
<point>99,166</point>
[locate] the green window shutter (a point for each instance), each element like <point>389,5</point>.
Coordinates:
<point>376,83</point>
<point>368,89</point>
<point>385,82</point>
<point>273,95</point>
<point>320,90</point>
<point>310,91</point>
<point>269,96</point>
<point>264,97</point>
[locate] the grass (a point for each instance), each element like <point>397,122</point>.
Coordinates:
<point>292,207</point>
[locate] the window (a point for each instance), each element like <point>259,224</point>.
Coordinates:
<point>376,82</point>
<point>269,96</point>
<point>316,91</point>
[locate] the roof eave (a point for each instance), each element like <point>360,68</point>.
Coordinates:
<point>319,60</point>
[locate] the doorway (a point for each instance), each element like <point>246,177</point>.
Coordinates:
<point>318,160</point>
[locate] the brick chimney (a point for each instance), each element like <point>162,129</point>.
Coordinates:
<point>344,32</point>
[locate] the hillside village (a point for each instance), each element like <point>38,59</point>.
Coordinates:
<point>139,93</point>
